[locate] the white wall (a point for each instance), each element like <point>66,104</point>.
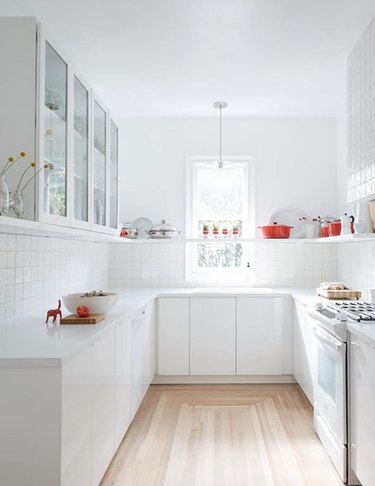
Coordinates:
<point>295,163</point>
<point>8,8</point>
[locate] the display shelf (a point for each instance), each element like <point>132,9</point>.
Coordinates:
<point>25,227</point>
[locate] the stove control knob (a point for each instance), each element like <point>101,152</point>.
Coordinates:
<point>318,306</point>
<point>341,317</point>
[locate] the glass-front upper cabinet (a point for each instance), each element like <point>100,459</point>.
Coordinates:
<point>55,134</point>
<point>99,162</point>
<point>80,152</point>
<point>113,177</point>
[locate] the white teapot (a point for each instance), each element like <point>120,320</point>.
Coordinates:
<point>346,222</point>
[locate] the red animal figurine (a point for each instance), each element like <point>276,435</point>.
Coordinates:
<point>54,313</point>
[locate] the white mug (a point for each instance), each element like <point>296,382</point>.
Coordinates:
<point>371,295</point>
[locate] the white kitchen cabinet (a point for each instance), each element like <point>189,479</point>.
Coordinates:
<point>173,336</point>
<point>88,408</point>
<point>103,404</point>
<point>122,379</point>
<point>212,336</point>
<point>79,176</point>
<point>113,177</point>
<point>17,99</point>
<point>77,419</point>
<point>303,350</point>
<point>262,324</point>
<point>63,125</point>
<point>362,409</point>
<point>141,356</point>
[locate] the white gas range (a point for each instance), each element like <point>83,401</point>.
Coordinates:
<point>331,376</point>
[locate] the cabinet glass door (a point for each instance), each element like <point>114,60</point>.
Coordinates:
<point>113,177</point>
<point>80,142</point>
<point>99,165</point>
<point>55,110</point>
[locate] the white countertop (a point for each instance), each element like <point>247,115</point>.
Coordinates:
<point>28,341</point>
<point>363,330</point>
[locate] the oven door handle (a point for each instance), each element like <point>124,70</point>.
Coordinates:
<point>326,338</point>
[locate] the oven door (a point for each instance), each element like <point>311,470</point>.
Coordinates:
<point>330,380</point>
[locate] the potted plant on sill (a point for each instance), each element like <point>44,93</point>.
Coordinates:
<point>215,231</point>
<point>205,230</point>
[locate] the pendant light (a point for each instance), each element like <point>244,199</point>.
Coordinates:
<point>220,105</point>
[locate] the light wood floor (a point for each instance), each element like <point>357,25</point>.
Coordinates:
<point>222,435</point>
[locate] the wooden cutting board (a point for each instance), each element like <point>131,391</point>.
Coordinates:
<point>91,319</point>
<point>339,294</point>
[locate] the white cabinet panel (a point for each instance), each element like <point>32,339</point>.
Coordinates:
<point>141,356</point>
<point>76,420</point>
<point>303,350</point>
<point>122,380</point>
<point>362,412</point>
<point>258,336</point>
<point>103,404</point>
<point>212,336</point>
<point>173,343</point>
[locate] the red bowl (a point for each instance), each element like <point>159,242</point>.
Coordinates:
<point>275,231</point>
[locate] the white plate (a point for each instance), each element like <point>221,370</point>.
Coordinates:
<point>143,226</point>
<point>290,217</point>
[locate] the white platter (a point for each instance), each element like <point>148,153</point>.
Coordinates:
<point>291,217</point>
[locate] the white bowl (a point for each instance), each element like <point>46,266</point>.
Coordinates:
<point>100,304</point>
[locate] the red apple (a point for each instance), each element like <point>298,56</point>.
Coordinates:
<point>83,311</point>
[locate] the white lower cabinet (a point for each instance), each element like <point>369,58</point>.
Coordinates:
<point>212,336</point>
<point>103,404</point>
<point>142,356</point>
<point>173,336</point>
<point>225,336</point>
<point>262,324</point>
<point>362,409</point>
<point>303,350</point>
<point>76,420</point>
<point>122,380</point>
<point>102,388</point>
<point>88,403</point>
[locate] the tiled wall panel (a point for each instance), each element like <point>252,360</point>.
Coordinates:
<point>356,265</point>
<point>36,271</point>
<point>278,264</point>
<point>361,117</point>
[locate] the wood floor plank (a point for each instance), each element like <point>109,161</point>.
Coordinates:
<point>222,435</point>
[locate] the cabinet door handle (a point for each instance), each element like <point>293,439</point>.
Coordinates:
<point>142,314</point>
<point>356,343</point>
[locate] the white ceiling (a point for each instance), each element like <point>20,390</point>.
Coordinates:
<point>175,57</point>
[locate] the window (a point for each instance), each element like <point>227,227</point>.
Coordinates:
<point>217,213</point>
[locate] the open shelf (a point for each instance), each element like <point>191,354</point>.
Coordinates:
<point>25,227</point>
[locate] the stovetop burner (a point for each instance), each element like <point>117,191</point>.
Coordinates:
<point>355,309</point>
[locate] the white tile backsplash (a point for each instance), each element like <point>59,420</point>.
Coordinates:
<point>356,265</point>
<point>36,271</point>
<point>276,264</point>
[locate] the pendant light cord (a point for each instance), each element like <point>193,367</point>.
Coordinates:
<point>221,134</point>
<point>220,105</point>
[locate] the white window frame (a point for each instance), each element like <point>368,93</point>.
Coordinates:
<point>231,275</point>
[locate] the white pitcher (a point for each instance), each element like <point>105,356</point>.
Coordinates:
<point>363,215</point>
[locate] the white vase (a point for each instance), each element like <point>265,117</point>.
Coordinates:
<point>4,196</point>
